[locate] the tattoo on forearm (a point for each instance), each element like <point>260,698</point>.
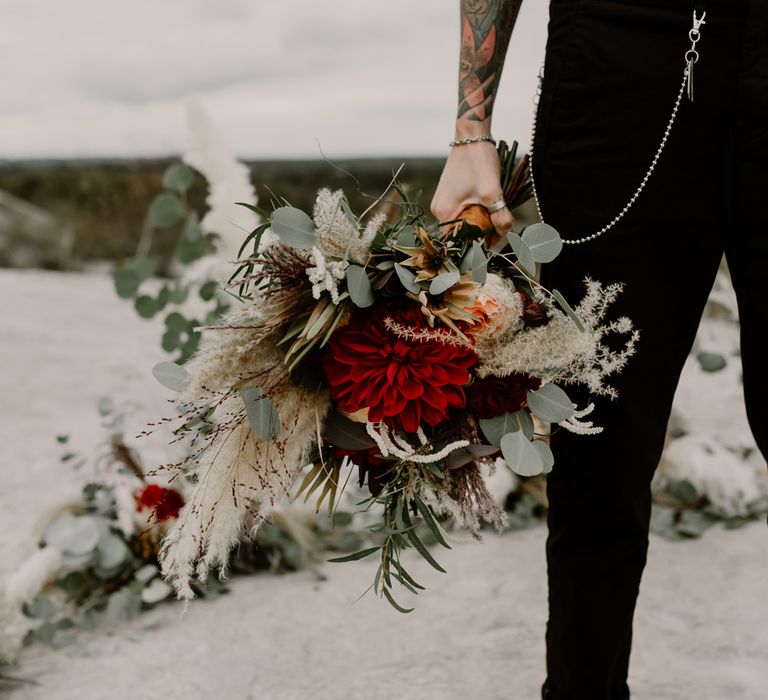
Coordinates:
<point>486,27</point>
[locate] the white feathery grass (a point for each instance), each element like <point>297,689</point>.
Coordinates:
<point>19,587</point>
<point>559,352</point>
<point>238,475</point>
<point>229,182</point>
<point>338,234</point>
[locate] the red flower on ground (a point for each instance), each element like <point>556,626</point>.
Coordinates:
<point>401,381</point>
<point>166,502</point>
<point>494,396</point>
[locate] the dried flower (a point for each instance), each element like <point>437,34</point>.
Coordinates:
<point>429,258</point>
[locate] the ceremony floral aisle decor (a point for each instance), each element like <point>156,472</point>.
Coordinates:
<point>409,352</point>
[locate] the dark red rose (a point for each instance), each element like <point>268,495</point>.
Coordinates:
<point>493,396</point>
<point>167,503</point>
<point>535,313</point>
<point>401,381</point>
<point>369,462</point>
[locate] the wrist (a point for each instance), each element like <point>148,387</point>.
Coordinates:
<point>468,128</point>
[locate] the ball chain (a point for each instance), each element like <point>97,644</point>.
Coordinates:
<point>687,78</point>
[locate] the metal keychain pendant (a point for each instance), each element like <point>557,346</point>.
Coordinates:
<point>692,55</point>
<point>686,86</point>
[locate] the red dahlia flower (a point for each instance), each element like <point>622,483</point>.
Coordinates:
<point>494,396</point>
<point>166,502</point>
<point>399,380</point>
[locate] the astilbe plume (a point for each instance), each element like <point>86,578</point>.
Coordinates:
<point>338,235</point>
<point>559,351</point>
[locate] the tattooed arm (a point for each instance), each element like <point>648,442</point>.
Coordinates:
<point>486,28</point>
<point>472,171</point>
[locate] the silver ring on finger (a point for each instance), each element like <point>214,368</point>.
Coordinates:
<point>498,205</point>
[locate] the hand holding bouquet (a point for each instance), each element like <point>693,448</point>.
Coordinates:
<point>411,352</point>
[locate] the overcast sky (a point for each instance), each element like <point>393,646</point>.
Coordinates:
<point>278,77</point>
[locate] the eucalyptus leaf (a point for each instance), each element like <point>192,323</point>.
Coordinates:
<point>192,244</point>
<point>146,573</point>
<point>711,361</point>
<point>146,306</point>
<point>123,604</point>
<point>208,290</point>
<point>359,286</point>
<point>342,432</point>
<point>178,177</point>
<point>127,283</point>
<point>262,414</point>
<point>565,306</point>
<point>156,591</point>
<point>525,422</point>
<point>520,454</point>
<point>142,266</point>
<point>166,210</point>
<point>496,428</point>
<point>550,403</point>
<point>171,375</point>
<point>545,452</point>
<point>407,278</point>
<point>175,322</point>
<point>693,523</point>
<point>293,227</point>
<point>112,552</point>
<point>407,237</point>
<point>475,260</point>
<point>75,535</point>
<point>443,282</point>
<point>523,253</point>
<point>40,607</point>
<point>543,241</point>
<point>474,257</point>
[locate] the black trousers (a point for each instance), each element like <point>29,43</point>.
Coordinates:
<point>612,71</point>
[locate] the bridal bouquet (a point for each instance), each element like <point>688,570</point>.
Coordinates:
<point>415,353</point>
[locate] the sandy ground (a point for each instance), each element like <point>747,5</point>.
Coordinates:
<point>701,626</point>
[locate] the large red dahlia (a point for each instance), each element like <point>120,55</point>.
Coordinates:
<point>401,381</point>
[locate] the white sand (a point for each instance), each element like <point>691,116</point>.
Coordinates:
<point>478,631</point>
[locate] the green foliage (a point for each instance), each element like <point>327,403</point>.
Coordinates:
<point>359,286</point>
<point>166,210</point>
<point>262,414</point>
<point>711,361</point>
<point>550,403</point>
<point>135,280</point>
<point>178,177</point>
<point>521,455</point>
<point>523,253</point>
<point>543,241</point>
<point>171,375</point>
<point>293,227</point>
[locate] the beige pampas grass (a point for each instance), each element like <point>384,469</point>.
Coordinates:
<point>237,473</point>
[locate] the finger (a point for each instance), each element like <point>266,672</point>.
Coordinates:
<point>502,221</point>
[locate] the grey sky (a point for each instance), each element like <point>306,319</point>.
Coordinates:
<point>361,77</point>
